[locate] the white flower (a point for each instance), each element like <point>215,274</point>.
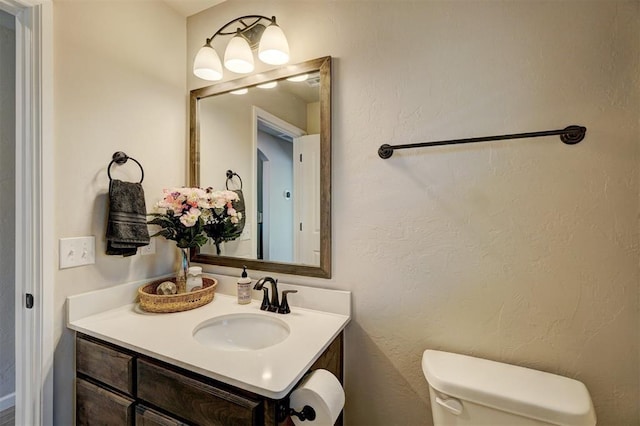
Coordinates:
<point>190,217</point>
<point>219,199</point>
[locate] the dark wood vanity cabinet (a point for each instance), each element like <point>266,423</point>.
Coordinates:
<point>115,386</point>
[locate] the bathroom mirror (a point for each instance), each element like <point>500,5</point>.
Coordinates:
<point>271,132</point>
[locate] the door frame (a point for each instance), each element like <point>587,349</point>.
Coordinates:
<point>35,249</point>
<point>260,115</point>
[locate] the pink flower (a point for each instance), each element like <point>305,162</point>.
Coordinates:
<point>195,197</point>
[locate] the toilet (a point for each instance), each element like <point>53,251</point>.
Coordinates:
<point>467,391</point>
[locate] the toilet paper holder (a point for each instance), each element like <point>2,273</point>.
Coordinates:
<point>319,397</point>
<point>284,411</point>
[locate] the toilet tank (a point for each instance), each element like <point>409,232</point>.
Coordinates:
<point>472,391</point>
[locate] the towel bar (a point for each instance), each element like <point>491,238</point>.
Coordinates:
<point>230,175</point>
<point>120,158</point>
<point>570,135</point>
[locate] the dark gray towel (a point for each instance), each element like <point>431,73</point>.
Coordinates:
<point>240,208</point>
<point>127,223</point>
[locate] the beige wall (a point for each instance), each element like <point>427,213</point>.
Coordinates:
<point>119,86</point>
<point>313,118</point>
<point>521,251</point>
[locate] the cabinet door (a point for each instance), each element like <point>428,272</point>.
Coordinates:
<point>193,400</point>
<point>148,417</point>
<point>97,406</point>
<point>105,364</point>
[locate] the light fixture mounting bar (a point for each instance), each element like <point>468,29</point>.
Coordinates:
<point>570,135</point>
<point>250,26</point>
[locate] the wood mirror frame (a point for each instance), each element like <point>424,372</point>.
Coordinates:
<point>323,66</point>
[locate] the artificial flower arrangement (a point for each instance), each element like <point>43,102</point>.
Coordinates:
<point>225,222</point>
<point>189,216</point>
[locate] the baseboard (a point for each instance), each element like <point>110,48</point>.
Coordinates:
<point>7,401</point>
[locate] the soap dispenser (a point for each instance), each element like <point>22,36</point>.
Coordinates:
<point>194,278</point>
<point>244,288</point>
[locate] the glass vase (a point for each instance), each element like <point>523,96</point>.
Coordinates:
<point>183,269</point>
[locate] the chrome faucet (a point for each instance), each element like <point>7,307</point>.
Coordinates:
<point>274,304</point>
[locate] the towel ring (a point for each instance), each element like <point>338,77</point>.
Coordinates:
<point>230,175</point>
<point>121,158</point>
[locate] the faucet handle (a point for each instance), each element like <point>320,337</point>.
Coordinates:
<point>265,299</point>
<point>284,307</point>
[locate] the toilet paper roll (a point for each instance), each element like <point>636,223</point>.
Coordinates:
<point>322,391</point>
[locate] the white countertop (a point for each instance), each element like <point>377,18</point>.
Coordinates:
<point>271,372</point>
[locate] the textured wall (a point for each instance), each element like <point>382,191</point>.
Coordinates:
<point>119,85</point>
<point>524,251</point>
<point>7,189</point>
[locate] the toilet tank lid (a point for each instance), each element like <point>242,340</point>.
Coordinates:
<point>529,393</point>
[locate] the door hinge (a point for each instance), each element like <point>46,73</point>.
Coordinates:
<point>301,158</point>
<point>301,226</point>
<point>29,300</point>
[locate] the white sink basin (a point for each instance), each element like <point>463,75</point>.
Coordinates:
<point>241,332</point>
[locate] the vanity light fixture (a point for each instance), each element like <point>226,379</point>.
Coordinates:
<point>249,33</point>
<point>240,91</point>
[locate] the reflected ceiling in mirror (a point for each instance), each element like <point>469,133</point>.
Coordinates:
<point>273,132</point>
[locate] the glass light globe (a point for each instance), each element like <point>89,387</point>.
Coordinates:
<point>274,48</point>
<point>299,78</point>
<point>238,56</point>
<point>269,85</point>
<point>207,64</point>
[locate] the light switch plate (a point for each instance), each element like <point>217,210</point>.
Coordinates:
<point>77,251</point>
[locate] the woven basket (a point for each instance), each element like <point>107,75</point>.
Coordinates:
<point>152,302</point>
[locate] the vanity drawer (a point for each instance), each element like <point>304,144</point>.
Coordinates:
<point>148,417</point>
<point>195,400</point>
<point>105,364</point>
<point>98,406</point>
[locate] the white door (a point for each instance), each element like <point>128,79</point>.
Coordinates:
<point>7,223</point>
<point>306,193</point>
<point>34,250</point>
